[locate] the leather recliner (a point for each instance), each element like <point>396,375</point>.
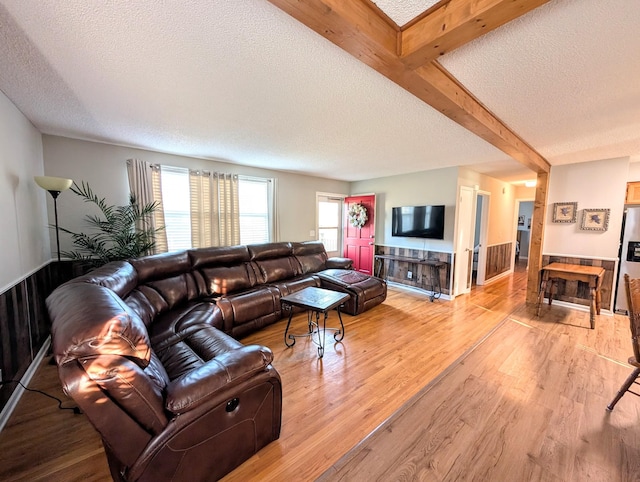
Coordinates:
<point>190,404</point>
<point>148,350</point>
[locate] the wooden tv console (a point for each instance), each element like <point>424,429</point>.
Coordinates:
<point>433,264</point>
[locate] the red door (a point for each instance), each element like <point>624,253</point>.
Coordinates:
<point>359,242</point>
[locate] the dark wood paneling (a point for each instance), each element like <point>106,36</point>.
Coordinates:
<point>24,321</point>
<point>498,259</point>
<point>578,292</point>
<point>396,271</point>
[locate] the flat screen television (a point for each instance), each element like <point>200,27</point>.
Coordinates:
<point>418,222</point>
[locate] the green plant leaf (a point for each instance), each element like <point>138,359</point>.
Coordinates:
<point>117,233</point>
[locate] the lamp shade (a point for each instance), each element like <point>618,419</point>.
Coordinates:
<point>53,183</point>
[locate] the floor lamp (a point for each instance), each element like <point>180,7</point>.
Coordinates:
<point>55,185</point>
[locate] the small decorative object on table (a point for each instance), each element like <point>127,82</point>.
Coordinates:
<point>595,219</point>
<point>565,212</point>
<point>357,215</point>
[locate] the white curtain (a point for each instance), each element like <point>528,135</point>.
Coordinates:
<point>144,184</point>
<point>275,223</point>
<point>158,216</point>
<point>215,212</point>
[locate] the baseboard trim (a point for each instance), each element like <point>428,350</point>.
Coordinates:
<point>415,289</point>
<point>576,306</point>
<point>497,277</point>
<point>12,403</point>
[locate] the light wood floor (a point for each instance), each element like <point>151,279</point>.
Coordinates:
<point>528,401</point>
<point>530,407</point>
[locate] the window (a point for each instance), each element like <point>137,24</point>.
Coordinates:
<point>175,201</point>
<point>254,205</point>
<point>255,223</point>
<point>330,223</point>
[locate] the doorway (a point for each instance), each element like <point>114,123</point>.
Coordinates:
<point>359,241</point>
<point>523,232</point>
<point>464,241</point>
<point>483,200</point>
<point>329,222</point>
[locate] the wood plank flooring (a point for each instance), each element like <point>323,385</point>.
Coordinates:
<point>528,401</point>
<point>531,407</point>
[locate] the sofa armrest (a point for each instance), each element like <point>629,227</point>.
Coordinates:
<point>194,388</point>
<point>339,263</point>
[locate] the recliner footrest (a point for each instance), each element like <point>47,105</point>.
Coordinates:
<point>366,291</point>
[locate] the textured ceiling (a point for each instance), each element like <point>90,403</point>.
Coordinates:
<point>403,11</point>
<point>245,83</point>
<point>565,77</point>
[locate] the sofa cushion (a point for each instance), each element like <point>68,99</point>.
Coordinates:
<point>271,270</point>
<point>218,256</point>
<point>222,270</point>
<point>175,290</point>
<point>161,266</point>
<point>159,296</point>
<point>118,276</point>
<point>101,323</point>
<point>222,280</point>
<point>273,262</point>
<point>248,305</point>
<point>269,250</point>
<point>193,347</point>
<point>286,287</point>
<point>311,256</point>
<point>196,386</point>
<point>175,325</point>
<point>139,391</point>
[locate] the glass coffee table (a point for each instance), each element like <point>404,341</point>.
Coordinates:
<point>316,301</point>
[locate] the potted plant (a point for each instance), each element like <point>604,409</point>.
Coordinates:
<point>117,233</point>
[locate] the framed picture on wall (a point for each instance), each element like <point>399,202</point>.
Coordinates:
<point>565,212</point>
<point>521,220</point>
<point>595,219</point>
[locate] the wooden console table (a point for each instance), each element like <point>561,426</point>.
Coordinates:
<point>433,264</point>
<point>574,272</point>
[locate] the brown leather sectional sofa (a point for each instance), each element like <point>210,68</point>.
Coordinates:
<point>148,350</point>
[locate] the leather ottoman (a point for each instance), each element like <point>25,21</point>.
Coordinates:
<point>366,291</point>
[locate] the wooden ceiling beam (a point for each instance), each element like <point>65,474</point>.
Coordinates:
<point>451,98</point>
<point>456,23</point>
<point>356,26</point>
<point>359,29</point>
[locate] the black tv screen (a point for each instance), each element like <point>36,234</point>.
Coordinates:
<point>418,222</point>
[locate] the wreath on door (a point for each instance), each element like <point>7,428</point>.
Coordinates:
<point>357,215</point>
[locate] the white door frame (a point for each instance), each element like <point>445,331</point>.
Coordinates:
<point>337,198</point>
<point>515,230</point>
<point>465,222</point>
<point>484,234</point>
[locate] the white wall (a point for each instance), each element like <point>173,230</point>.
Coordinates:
<point>24,232</point>
<point>438,186</point>
<point>502,216</point>
<point>634,172</point>
<point>103,167</point>
<point>526,210</point>
<point>593,185</point>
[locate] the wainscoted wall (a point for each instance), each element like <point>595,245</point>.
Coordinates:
<point>498,259</point>
<point>578,292</point>
<point>396,271</point>
<point>24,321</point>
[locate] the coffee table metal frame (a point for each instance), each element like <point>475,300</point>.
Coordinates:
<point>316,301</point>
